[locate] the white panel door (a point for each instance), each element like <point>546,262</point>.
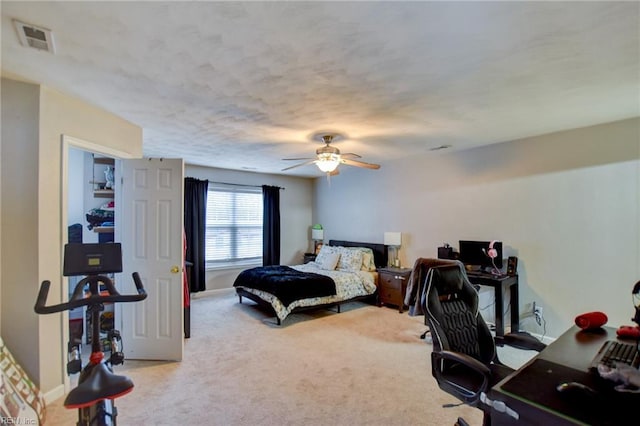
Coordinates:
<point>151,227</point>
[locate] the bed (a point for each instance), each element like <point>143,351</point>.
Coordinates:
<point>327,282</point>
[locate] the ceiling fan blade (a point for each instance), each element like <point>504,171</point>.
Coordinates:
<point>299,165</point>
<point>359,164</point>
<point>298,159</point>
<point>350,154</point>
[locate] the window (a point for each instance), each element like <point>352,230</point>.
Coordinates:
<point>234,225</point>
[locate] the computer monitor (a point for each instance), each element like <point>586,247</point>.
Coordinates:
<point>476,253</point>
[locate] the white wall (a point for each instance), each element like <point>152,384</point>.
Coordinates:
<point>77,183</point>
<point>32,251</point>
<point>20,104</point>
<point>567,204</point>
<point>295,215</point>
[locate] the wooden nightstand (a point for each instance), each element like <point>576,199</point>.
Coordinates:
<point>392,286</point>
<point>309,257</point>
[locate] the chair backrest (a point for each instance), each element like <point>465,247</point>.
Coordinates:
<point>451,304</point>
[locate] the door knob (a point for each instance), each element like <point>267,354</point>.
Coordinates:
<point>175,270</point>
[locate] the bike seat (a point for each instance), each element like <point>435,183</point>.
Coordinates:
<point>100,384</point>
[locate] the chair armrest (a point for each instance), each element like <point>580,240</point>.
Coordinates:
<point>523,340</point>
<point>464,359</point>
<point>469,393</point>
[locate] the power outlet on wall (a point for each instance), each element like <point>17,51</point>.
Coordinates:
<point>537,312</point>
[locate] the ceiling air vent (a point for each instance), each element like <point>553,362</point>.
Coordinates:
<point>441,147</point>
<point>36,37</point>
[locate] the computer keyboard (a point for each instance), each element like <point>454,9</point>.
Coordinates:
<point>613,352</point>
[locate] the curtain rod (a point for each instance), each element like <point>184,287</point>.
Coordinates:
<point>241,184</point>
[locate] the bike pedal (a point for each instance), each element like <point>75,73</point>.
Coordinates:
<point>74,366</point>
<point>116,358</point>
<point>74,359</point>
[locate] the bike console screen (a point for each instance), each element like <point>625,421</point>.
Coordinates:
<point>92,259</point>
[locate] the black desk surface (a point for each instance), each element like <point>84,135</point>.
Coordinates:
<point>488,275</point>
<point>531,391</point>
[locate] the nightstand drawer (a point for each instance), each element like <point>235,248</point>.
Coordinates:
<point>390,282</point>
<point>392,285</point>
<point>390,295</point>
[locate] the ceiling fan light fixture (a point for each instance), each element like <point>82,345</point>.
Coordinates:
<point>328,162</point>
<point>328,158</point>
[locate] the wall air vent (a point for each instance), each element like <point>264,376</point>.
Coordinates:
<point>33,36</point>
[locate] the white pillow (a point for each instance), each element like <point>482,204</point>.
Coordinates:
<point>350,260</point>
<point>368,261</point>
<point>325,249</point>
<point>328,258</point>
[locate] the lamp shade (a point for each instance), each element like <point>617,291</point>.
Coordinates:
<point>317,234</point>
<point>393,238</point>
<point>328,162</point>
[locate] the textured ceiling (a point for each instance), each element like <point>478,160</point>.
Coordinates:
<point>241,85</point>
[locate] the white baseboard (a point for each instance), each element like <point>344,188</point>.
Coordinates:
<point>543,338</point>
<point>54,394</point>
<point>213,292</point>
<point>546,339</point>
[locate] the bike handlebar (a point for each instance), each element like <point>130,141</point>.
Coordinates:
<point>78,298</point>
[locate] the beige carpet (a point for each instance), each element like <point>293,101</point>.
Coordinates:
<point>363,366</point>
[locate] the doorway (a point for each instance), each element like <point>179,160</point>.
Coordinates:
<point>82,179</point>
<point>147,190</point>
<point>90,219</point>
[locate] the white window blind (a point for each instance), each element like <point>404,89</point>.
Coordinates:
<point>234,225</point>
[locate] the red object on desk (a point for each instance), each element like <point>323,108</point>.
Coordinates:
<point>591,320</point>
<point>628,332</point>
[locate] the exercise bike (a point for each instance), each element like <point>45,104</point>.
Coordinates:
<point>97,385</point>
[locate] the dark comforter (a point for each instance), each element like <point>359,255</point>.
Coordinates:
<point>286,283</point>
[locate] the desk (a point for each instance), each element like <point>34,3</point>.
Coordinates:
<point>530,391</point>
<point>500,284</point>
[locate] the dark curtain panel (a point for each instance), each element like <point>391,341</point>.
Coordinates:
<point>195,220</point>
<point>271,225</point>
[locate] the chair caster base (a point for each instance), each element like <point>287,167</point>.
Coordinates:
<point>461,422</point>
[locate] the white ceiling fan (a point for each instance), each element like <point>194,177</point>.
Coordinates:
<point>328,158</point>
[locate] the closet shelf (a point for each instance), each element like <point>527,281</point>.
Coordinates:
<point>103,229</point>
<point>104,160</point>
<point>103,193</point>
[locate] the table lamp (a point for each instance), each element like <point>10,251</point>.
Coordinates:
<point>317,235</point>
<point>393,240</point>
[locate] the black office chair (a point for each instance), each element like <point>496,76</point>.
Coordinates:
<point>416,286</point>
<point>464,360</point>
